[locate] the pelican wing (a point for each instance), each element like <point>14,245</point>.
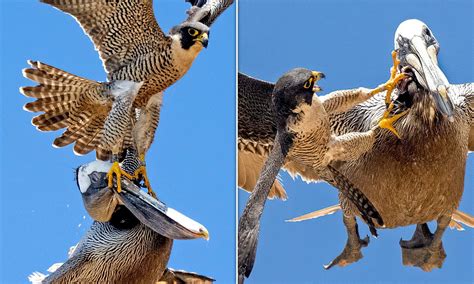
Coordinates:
<point>120,30</point>
<point>464,98</point>
<point>459,218</point>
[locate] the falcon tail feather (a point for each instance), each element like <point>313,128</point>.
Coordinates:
<point>66,100</point>
<point>366,209</point>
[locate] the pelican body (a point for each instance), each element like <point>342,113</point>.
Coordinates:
<point>420,177</point>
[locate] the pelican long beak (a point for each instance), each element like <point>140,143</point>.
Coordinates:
<point>157,216</point>
<point>423,60</point>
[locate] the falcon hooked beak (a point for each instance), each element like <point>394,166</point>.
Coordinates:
<point>418,50</point>
<point>316,77</point>
<point>311,83</point>
<point>203,39</point>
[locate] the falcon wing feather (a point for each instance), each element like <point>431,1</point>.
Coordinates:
<point>121,30</point>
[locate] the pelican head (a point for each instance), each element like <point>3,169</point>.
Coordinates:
<point>101,202</point>
<point>418,50</point>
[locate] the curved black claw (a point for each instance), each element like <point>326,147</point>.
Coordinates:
<point>350,254</point>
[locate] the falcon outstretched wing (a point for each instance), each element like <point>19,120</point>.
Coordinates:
<point>68,101</point>
<point>257,130</point>
<point>121,30</point>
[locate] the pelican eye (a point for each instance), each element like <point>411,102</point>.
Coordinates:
<point>193,32</point>
<point>427,32</point>
<point>309,83</point>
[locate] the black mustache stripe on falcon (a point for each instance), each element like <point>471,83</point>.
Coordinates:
<point>141,62</point>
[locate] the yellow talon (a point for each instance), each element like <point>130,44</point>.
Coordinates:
<point>387,122</point>
<point>115,169</point>
<point>142,171</point>
<point>390,85</point>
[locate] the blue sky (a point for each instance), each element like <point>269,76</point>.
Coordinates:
<point>351,42</point>
<point>191,165</point>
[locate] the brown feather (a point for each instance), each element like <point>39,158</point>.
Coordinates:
<point>90,136</point>
<point>50,121</point>
<point>250,165</point>
<point>72,133</point>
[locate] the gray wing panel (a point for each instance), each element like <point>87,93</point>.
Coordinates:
<point>210,10</point>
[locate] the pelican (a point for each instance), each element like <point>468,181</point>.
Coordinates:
<point>132,243</point>
<point>420,177</point>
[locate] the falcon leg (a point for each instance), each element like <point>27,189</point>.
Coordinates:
<point>117,170</point>
<point>387,120</point>
<point>425,250</point>
<point>141,171</point>
<point>352,250</point>
<point>340,101</point>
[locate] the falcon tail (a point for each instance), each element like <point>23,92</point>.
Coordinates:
<point>65,101</point>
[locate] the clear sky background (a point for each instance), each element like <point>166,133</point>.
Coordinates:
<point>190,165</point>
<point>351,42</point>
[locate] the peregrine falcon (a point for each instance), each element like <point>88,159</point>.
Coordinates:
<point>140,60</point>
<point>302,142</point>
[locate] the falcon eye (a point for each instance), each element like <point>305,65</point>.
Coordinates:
<point>308,83</point>
<point>193,32</point>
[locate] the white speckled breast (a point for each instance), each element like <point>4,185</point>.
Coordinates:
<point>311,134</point>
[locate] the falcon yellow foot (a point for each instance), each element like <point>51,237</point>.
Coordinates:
<point>387,121</point>
<point>392,82</point>
<point>141,172</point>
<point>117,170</point>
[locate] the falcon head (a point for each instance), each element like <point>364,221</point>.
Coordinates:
<point>426,84</point>
<point>294,89</point>
<point>191,35</point>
